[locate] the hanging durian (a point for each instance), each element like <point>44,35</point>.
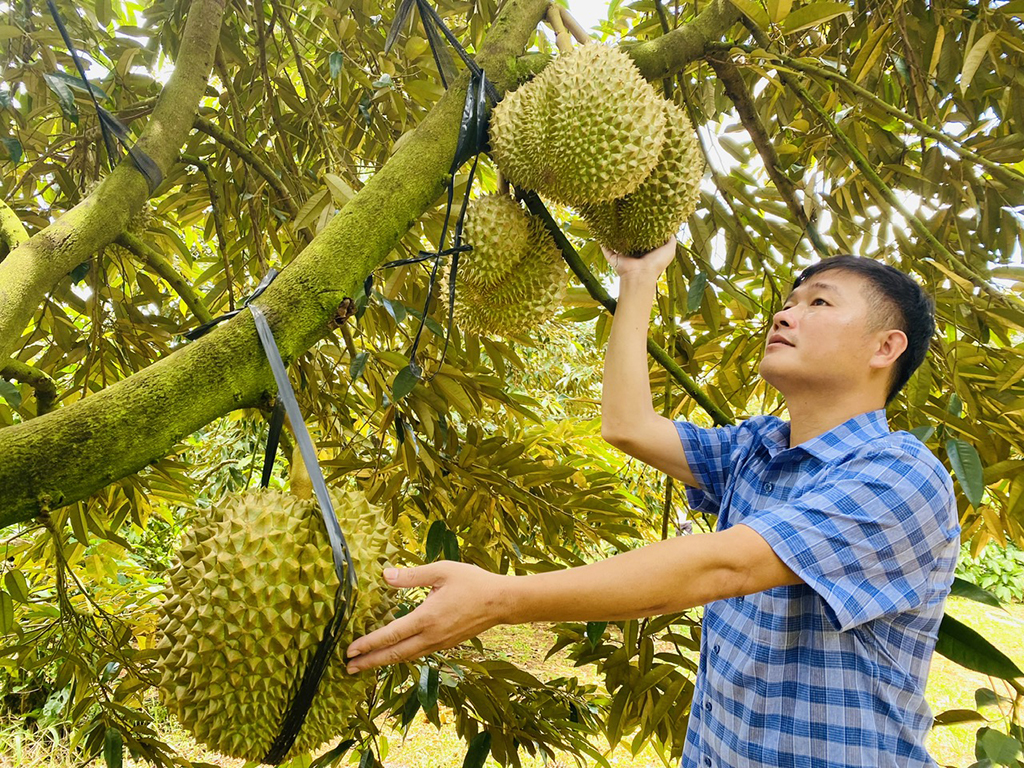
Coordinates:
<point>499,231</point>
<point>247,604</point>
<point>530,294</point>
<point>587,129</point>
<point>643,220</point>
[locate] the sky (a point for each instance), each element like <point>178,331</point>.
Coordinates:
<point>588,12</point>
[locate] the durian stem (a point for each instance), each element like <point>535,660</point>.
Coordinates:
<point>299,482</point>
<point>574,27</point>
<point>562,38</point>
<point>502,182</point>
<point>597,291</point>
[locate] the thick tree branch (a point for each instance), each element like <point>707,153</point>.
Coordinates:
<point>34,268</point>
<point>69,454</point>
<point>736,90</point>
<point>166,270</point>
<point>671,53</point>
<point>44,386</point>
<point>597,291</point>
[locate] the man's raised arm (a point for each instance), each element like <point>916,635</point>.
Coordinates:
<point>628,419</point>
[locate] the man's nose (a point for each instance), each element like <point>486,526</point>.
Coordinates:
<point>783,318</point>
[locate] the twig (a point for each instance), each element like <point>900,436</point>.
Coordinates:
<point>164,269</point>
<point>43,384</point>
<point>563,40</point>
<point>574,27</point>
<point>218,224</point>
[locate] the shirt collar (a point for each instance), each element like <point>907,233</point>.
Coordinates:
<point>834,444</point>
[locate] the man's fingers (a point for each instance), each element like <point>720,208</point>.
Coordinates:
<point>391,634</point>
<point>409,648</point>
<point>420,576</point>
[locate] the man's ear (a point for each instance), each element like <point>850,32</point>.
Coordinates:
<point>891,344</point>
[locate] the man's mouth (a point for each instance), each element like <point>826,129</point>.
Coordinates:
<point>777,338</point>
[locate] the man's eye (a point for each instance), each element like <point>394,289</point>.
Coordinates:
<point>819,301</point>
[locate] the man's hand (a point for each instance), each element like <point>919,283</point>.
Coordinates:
<point>464,601</point>
<point>653,263</point>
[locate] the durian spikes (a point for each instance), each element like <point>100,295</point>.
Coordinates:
<point>646,218</point>
<point>588,129</point>
<point>499,231</point>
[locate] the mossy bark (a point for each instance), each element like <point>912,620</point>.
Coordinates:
<point>68,454</point>
<point>34,267</point>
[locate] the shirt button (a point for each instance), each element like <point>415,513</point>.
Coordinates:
<point>739,599</point>
<point>707,761</point>
<point>769,487</point>
<point>717,648</point>
<point>707,705</point>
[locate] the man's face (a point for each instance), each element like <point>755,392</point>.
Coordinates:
<point>820,341</point>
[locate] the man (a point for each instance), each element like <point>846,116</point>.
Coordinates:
<point>825,582</point>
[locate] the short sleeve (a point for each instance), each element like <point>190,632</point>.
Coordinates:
<point>709,457</point>
<point>876,536</point>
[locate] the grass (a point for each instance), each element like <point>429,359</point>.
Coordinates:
<point>949,687</point>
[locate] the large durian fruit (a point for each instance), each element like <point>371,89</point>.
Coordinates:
<point>641,221</point>
<point>247,604</point>
<point>499,231</point>
<point>529,294</point>
<point>587,129</point>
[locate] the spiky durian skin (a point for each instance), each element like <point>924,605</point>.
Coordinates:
<point>587,129</point>
<point>247,604</point>
<point>528,296</point>
<point>499,231</point>
<point>645,219</point>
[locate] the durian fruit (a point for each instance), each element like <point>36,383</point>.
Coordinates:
<point>648,217</point>
<point>529,295</point>
<point>246,606</point>
<point>499,231</point>
<point>587,129</point>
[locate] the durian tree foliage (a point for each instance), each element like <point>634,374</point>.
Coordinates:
<point>287,138</point>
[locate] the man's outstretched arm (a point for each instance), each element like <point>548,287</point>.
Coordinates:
<point>665,577</point>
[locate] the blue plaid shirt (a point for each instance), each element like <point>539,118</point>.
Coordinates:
<point>830,672</point>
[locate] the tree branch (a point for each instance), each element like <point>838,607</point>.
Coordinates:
<point>671,53</point>
<point>33,268</point>
<point>737,91</point>
<point>44,385</point>
<point>166,270</point>
<point>69,454</point>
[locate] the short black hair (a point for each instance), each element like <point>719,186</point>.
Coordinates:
<point>901,302</point>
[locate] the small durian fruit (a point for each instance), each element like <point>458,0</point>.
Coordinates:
<point>587,129</point>
<point>528,296</point>
<point>643,220</point>
<point>499,231</point>
<point>246,606</point>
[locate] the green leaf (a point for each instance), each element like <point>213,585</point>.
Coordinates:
<point>368,759</point>
<point>595,630</point>
<point>451,546</point>
<point>923,433</point>
<point>967,467</point>
<point>17,585</point>
<point>435,540</point>
<point>405,381</point>
<point>997,747</point>
<point>65,97</point>
<point>412,706</point>
<point>695,296</point>
<point>76,83</point>
<point>79,273</point>
<point>753,11</point>
<point>113,748</point>
<point>961,644</point>
<point>336,61</point>
<point>6,613</point>
<point>955,716</point>
<point>426,691</point>
<point>10,393</point>
<point>355,370</point>
<point>811,15</point>
<point>329,758</point>
<point>963,588</point>
<point>974,58</point>
<point>478,750</point>
<point>13,149</point>
<point>955,405</point>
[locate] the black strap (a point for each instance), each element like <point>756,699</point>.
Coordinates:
<point>298,708</point>
<point>110,127</point>
<point>273,438</point>
<point>203,329</point>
